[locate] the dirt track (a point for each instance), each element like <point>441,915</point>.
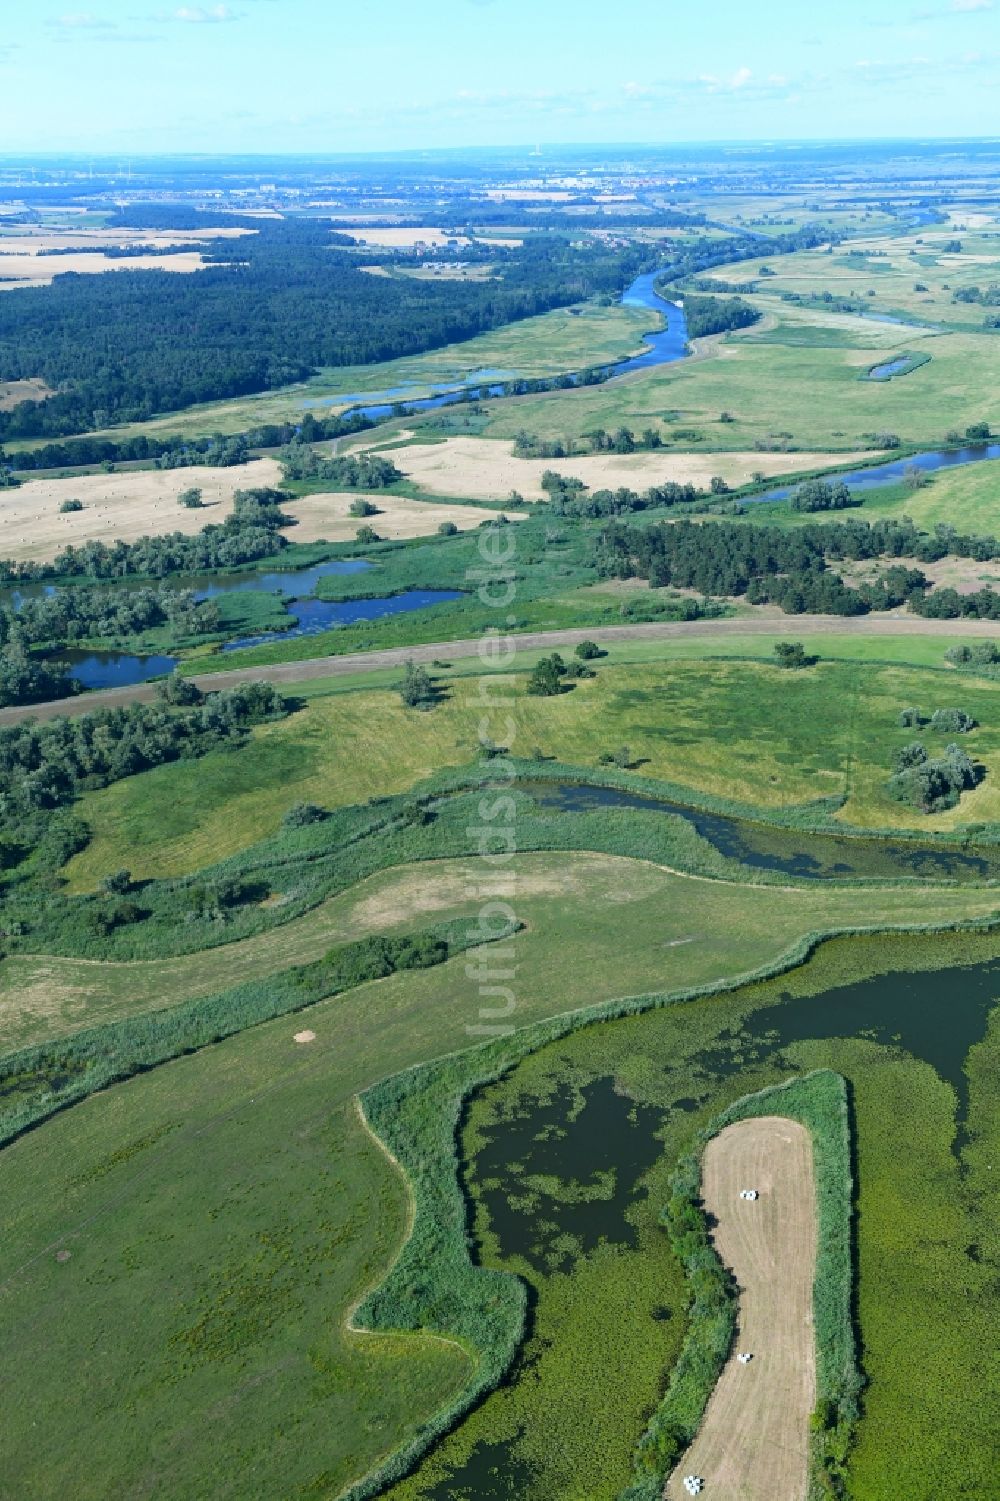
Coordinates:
<point>754,1440</point>
<point>785,627</point>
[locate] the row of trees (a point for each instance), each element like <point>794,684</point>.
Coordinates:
<point>622,440</point>
<point>177,452</point>
<point>569,496</point>
<point>363,471</point>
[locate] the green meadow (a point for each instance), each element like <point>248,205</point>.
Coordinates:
<point>739,729</point>
<point>208,1282</point>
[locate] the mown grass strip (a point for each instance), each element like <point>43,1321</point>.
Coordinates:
<point>819,1102</point>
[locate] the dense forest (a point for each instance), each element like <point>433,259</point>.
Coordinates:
<point>270,308</point>
<point>789,567</point>
<point>712,315</point>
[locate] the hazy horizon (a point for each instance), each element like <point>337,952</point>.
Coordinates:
<point>258,77</point>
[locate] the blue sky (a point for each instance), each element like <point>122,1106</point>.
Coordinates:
<point>337,75</point>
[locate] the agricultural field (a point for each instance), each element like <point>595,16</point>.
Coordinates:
<point>474,466</point>
<point>120,507</point>
<point>758,1419</point>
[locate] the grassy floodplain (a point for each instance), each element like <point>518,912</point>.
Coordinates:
<point>740,729</point>
<point>810,390</point>
<point>230,1351</point>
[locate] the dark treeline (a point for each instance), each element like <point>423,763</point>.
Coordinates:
<point>68,616</point>
<point>247,535</point>
<point>787,567</point>
<point>693,259</point>
<point>176,453</point>
<point>363,471</point>
<point>268,309</point>
<point>599,440</point>
<point>713,315</point>
<point>820,495</point>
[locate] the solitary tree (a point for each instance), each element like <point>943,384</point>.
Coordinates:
<point>417,690</point>
<point>588,650</point>
<point>546,677</point>
<point>792,654</point>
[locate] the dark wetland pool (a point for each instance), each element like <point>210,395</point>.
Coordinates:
<point>790,852</point>
<point>307,615</point>
<point>567,1160</point>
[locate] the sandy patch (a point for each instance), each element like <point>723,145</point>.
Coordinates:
<point>487,469</point>
<point>754,1438</point>
<point>327,518</point>
<point>305,1036</point>
<point>438,888</point>
<point>119,507</point>
<point>13,392</point>
<point>965,575</point>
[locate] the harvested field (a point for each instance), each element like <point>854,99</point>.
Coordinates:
<point>326,517</point>
<point>406,239</point>
<point>13,392</point>
<point>22,263</point>
<point>120,507</point>
<point>487,469</point>
<point>754,1439</point>
<point>26,240</point>
<point>26,269</point>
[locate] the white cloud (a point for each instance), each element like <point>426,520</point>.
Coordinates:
<point>970,5</point>
<point>740,78</point>
<point>201,15</point>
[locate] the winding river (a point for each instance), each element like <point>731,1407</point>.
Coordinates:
<point>662,347</point>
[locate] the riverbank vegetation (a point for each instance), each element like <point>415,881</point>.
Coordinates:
<point>744,730</point>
